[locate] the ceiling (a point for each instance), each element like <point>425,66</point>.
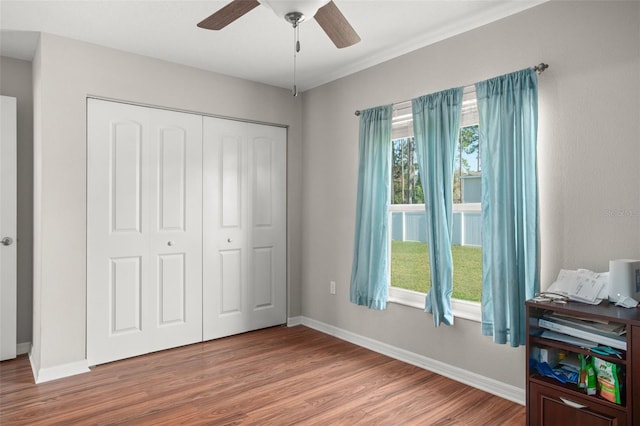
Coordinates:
<point>256,47</point>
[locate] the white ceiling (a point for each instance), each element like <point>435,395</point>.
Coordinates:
<point>259,45</point>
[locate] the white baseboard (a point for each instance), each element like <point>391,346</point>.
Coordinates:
<point>42,375</point>
<point>23,348</point>
<point>503,390</point>
<point>293,321</point>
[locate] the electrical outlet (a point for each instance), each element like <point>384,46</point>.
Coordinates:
<point>332,287</point>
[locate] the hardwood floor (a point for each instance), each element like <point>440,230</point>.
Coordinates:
<point>276,376</point>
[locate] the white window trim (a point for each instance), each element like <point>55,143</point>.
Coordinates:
<point>461,308</point>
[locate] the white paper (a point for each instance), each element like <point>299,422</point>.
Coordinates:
<point>588,286</point>
<point>564,283</point>
<point>582,285</point>
<point>604,293</point>
<point>627,302</point>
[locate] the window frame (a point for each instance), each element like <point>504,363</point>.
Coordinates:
<point>461,308</point>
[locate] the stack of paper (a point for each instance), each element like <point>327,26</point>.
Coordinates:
<point>582,285</point>
<point>568,339</point>
<point>604,327</point>
<point>585,331</point>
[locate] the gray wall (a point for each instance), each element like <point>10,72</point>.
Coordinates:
<point>588,162</point>
<point>15,80</point>
<point>64,73</point>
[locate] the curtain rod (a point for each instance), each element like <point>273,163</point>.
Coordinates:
<point>539,69</point>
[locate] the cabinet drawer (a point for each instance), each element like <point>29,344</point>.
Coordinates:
<point>547,408</point>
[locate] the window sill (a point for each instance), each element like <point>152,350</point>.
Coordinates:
<point>461,308</point>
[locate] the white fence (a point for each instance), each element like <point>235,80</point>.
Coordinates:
<point>409,223</point>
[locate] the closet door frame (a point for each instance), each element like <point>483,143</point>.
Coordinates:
<point>259,305</point>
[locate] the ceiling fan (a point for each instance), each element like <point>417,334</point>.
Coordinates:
<point>325,12</point>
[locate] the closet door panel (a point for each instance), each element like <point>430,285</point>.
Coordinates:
<point>125,143</point>
<point>172,289</point>
<point>144,224</point>
<point>262,189</point>
<point>176,240</point>
<point>231,295</point>
<point>267,234</point>
<point>224,246</point>
<point>229,164</point>
<point>264,289</point>
<point>116,226</point>
<point>244,283</point>
<point>172,179</point>
<point>176,167</point>
<point>125,295</point>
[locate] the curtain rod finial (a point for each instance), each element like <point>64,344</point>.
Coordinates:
<point>540,67</point>
<point>357,113</point>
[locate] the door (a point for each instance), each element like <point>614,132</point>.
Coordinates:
<point>8,228</point>
<point>244,225</point>
<point>144,230</point>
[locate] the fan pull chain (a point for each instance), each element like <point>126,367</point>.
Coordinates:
<point>296,50</point>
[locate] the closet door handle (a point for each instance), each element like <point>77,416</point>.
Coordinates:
<point>170,243</point>
<point>229,240</point>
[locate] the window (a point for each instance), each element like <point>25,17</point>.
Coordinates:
<point>409,259</point>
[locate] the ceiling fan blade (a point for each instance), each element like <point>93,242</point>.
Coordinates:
<point>228,14</point>
<point>336,26</point>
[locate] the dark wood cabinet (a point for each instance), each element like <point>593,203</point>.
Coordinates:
<point>550,407</point>
<point>550,402</point>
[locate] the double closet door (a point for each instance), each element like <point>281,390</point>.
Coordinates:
<point>186,229</point>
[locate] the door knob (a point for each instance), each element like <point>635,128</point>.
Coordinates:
<point>229,240</point>
<point>6,241</point>
<point>170,243</point>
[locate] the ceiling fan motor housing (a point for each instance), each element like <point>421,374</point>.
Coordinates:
<point>294,18</point>
<point>294,11</point>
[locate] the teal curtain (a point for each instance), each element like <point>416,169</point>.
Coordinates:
<point>369,274</point>
<point>508,109</point>
<point>436,124</point>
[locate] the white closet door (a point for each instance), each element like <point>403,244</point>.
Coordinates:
<point>8,227</point>
<point>244,275</point>
<point>144,230</point>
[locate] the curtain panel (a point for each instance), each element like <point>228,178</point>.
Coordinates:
<point>436,124</point>
<point>369,274</point>
<point>508,110</point>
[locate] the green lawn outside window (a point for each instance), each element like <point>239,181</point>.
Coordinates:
<point>410,269</point>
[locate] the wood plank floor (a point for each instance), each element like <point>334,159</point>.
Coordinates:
<point>276,376</point>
